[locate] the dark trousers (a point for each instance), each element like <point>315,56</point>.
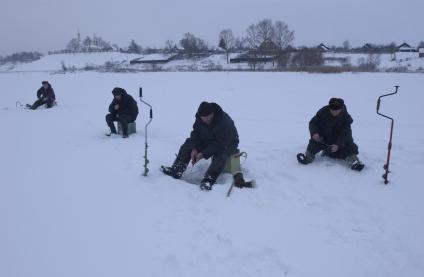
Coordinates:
<point>218,160</point>
<point>344,151</point>
<point>124,119</point>
<point>40,102</point>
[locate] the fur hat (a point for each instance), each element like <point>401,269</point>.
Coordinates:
<point>336,103</point>
<point>205,109</point>
<point>118,91</point>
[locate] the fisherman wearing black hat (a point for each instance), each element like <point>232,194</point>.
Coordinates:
<point>45,95</point>
<point>214,135</point>
<point>122,109</point>
<point>331,132</point>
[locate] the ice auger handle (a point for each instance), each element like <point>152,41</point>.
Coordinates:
<point>146,161</point>
<point>389,146</point>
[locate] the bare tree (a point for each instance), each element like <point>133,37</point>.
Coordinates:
<point>188,42</point>
<point>115,47</point>
<point>346,45</point>
<point>252,36</point>
<point>192,44</point>
<point>73,45</point>
<point>282,35</point>
<point>240,43</point>
<point>169,46</point>
<point>87,43</point>
<point>100,43</point>
<point>226,40</point>
<point>95,40</point>
<point>259,33</point>
<point>266,31</point>
<point>134,47</point>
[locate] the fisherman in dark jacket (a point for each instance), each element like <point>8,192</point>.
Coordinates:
<point>45,95</point>
<point>123,109</point>
<point>214,135</point>
<point>331,132</point>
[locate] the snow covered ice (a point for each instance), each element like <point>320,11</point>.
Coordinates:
<point>75,203</point>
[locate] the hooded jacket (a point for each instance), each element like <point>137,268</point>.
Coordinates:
<point>127,104</point>
<point>220,135</point>
<point>333,129</point>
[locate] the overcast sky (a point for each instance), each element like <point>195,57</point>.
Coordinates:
<point>43,25</point>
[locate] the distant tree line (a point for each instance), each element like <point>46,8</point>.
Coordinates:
<point>21,57</point>
<point>88,44</point>
<point>256,34</point>
<point>370,48</point>
<point>255,37</point>
<point>367,48</point>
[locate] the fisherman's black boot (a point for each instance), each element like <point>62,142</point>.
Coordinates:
<point>355,163</point>
<point>306,158</point>
<point>239,181</point>
<point>175,171</point>
<point>207,183</point>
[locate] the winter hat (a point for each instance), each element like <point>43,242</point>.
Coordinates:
<point>44,82</point>
<point>118,91</point>
<point>335,103</point>
<point>205,109</point>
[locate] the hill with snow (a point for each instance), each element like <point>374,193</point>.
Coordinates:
<point>56,62</point>
<point>115,61</point>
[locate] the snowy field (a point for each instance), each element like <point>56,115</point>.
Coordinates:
<point>74,203</point>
